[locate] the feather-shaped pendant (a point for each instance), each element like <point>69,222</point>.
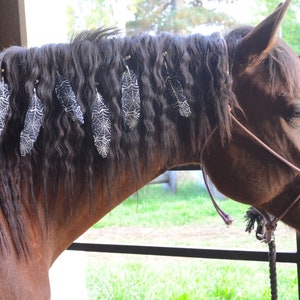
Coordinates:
<point>33,121</point>
<point>4,103</point>
<point>101,125</point>
<point>176,91</point>
<point>131,100</point>
<point>67,98</point>
<point>178,95</point>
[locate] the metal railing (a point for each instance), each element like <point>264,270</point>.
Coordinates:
<point>282,257</point>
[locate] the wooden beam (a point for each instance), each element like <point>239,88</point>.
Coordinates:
<point>12,23</point>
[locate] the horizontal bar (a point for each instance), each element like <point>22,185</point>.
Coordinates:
<point>186,168</point>
<point>286,257</point>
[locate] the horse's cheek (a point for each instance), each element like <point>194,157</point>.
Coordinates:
<point>241,176</point>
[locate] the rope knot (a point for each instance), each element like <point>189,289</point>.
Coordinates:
<point>265,226</point>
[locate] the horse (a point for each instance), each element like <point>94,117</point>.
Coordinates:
<point>85,124</point>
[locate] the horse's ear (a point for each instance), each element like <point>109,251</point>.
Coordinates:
<point>261,39</point>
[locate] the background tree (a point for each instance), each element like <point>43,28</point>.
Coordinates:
<point>181,16</point>
<point>90,14</point>
<point>177,15</point>
<point>290,31</point>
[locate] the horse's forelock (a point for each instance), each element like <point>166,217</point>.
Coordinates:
<point>281,74</point>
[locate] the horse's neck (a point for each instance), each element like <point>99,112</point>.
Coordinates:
<point>107,194</point>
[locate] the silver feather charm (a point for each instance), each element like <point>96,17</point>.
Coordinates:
<point>101,125</point>
<point>67,98</point>
<point>4,103</point>
<point>33,121</point>
<point>130,100</point>
<point>176,90</point>
<point>177,93</point>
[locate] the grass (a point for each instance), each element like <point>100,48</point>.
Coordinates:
<point>154,206</point>
<point>119,276</point>
<point>133,278</point>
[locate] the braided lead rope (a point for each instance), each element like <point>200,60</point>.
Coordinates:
<point>272,269</point>
<point>265,233</point>
<point>269,238</point>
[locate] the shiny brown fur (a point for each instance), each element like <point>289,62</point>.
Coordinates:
<point>52,196</point>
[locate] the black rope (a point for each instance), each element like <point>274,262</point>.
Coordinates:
<point>272,268</point>
<point>264,232</point>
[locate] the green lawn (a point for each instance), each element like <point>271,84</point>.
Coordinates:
<point>155,206</point>
<point>119,276</point>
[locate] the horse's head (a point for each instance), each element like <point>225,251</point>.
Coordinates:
<point>266,75</point>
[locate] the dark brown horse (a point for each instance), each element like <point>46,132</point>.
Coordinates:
<point>83,125</point>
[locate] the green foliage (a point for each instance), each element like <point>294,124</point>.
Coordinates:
<point>153,206</point>
<point>175,16</point>
<point>150,15</point>
<point>290,32</point>
<point>89,14</point>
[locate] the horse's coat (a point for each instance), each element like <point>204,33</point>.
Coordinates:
<point>187,87</point>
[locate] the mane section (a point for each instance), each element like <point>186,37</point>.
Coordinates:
<point>64,155</point>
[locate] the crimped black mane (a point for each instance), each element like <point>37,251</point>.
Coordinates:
<point>65,151</point>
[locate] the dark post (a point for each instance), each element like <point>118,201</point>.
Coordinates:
<point>12,23</point>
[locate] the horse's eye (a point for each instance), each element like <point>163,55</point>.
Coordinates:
<point>294,115</point>
<point>297,116</point>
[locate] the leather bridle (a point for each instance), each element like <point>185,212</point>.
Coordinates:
<point>271,221</point>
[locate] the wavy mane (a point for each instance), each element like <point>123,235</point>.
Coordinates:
<point>64,151</point>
